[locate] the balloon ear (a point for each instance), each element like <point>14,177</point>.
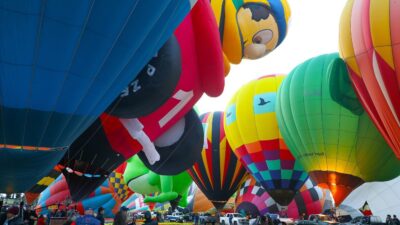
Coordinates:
<point>340,87</point>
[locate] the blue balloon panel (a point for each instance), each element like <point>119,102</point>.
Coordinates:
<point>62,62</point>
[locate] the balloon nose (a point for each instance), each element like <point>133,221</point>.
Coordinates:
<point>255,51</point>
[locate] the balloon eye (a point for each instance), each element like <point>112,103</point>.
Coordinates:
<point>262,37</point>
<point>257,40</point>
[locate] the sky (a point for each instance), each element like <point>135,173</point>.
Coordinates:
<point>313,30</point>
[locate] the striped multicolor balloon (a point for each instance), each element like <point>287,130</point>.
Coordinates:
<point>219,173</point>
<point>252,130</point>
<point>369,44</point>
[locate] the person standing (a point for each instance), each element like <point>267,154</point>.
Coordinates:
<point>230,219</point>
<point>100,215</point>
<point>148,220</point>
<point>12,217</point>
<point>121,218</point>
<point>30,216</point>
<point>87,219</point>
<point>196,218</point>
<point>395,220</point>
<point>41,220</point>
<point>388,220</point>
<point>50,214</point>
<point>133,221</point>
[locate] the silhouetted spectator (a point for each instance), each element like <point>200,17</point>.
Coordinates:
<point>100,215</point>
<point>87,219</point>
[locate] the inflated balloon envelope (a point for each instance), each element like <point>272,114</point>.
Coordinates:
<point>171,189</point>
<point>254,199</point>
<point>94,149</point>
<point>218,173</point>
<point>369,44</point>
<point>327,130</point>
<point>110,194</point>
<point>250,28</point>
<point>92,155</point>
<point>202,72</point>
<point>252,131</point>
<point>62,64</point>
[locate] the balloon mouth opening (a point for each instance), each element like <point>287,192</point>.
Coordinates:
<point>282,196</point>
<point>219,205</point>
<point>339,184</point>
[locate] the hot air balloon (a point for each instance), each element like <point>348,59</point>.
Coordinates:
<point>382,197</point>
<point>63,63</point>
<point>218,173</point>
<point>369,37</point>
<point>310,199</point>
<point>109,195</point>
<point>252,131</point>
<point>154,83</point>
<point>327,130</point>
<point>201,59</point>
<point>250,28</point>
<point>97,151</point>
<point>143,181</point>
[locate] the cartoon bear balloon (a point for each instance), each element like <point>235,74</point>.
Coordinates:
<point>250,28</point>
<point>200,61</point>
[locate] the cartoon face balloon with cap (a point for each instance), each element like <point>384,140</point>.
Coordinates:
<point>250,28</point>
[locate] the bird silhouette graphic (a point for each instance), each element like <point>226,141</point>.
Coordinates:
<point>263,102</point>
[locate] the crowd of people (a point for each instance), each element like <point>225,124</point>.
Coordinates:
<point>24,215</point>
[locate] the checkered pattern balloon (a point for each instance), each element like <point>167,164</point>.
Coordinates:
<point>118,184</point>
<point>310,199</point>
<point>252,131</point>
